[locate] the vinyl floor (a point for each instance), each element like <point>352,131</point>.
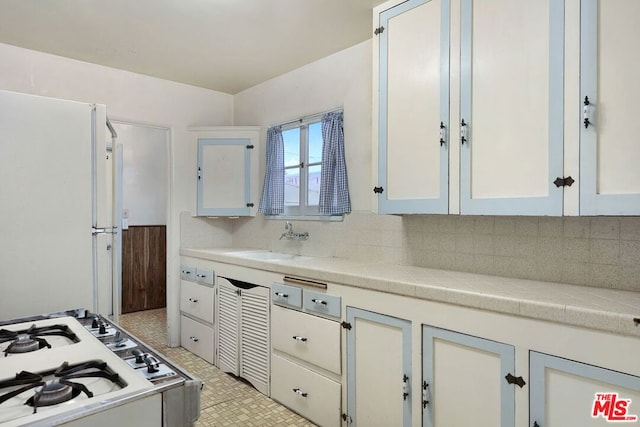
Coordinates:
<point>225,400</point>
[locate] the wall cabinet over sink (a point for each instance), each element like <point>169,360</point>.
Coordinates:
<point>467,121</point>
<point>227,170</point>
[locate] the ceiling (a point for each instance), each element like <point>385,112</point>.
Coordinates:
<point>224,45</point>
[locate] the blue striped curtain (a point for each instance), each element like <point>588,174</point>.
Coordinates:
<point>334,185</point>
<point>272,200</point>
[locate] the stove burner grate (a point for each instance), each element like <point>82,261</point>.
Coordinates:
<point>61,388</point>
<point>29,340</point>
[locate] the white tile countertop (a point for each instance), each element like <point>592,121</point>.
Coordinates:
<point>596,308</point>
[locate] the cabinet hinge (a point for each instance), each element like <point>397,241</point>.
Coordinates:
<point>249,205</point>
<point>564,182</point>
<point>346,418</point>
<point>515,380</point>
<point>378,31</point>
<point>425,394</point>
<point>250,147</point>
<point>346,325</point>
<point>378,190</point>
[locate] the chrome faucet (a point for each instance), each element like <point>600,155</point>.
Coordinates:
<point>289,234</point>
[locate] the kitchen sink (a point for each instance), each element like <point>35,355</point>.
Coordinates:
<point>266,255</point>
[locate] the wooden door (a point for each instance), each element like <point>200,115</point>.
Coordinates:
<point>143,268</point>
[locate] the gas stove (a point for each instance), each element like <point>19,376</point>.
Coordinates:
<point>76,366</point>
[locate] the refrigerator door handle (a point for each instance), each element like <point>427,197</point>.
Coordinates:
<point>111,230</point>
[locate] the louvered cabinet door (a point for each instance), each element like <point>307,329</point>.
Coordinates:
<point>254,337</point>
<point>228,329</point>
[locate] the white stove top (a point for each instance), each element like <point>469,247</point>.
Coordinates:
<point>88,348</point>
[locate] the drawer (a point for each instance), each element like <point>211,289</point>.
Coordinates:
<point>286,295</point>
<point>311,338</point>
<point>187,272</point>
<point>204,276</point>
<point>197,338</point>
<point>322,303</point>
<point>197,300</point>
<point>312,395</point>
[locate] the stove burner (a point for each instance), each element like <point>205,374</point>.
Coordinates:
<point>30,339</point>
<point>54,392</point>
<point>61,388</point>
<point>24,344</point>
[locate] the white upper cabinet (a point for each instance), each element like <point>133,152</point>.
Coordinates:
<point>469,112</point>
<point>609,69</point>
<point>413,108</point>
<point>227,171</point>
<point>511,107</point>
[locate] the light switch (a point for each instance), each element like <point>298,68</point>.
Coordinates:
<point>125,223</point>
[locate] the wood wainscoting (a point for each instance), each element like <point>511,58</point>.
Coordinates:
<point>144,268</point>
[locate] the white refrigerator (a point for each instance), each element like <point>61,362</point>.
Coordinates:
<point>59,248</point>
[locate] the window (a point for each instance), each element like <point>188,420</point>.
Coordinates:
<point>306,176</point>
<point>302,167</point>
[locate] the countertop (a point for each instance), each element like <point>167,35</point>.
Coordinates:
<point>603,309</point>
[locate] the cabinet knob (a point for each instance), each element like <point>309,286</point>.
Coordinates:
<point>300,392</point>
<point>318,301</point>
<point>297,338</point>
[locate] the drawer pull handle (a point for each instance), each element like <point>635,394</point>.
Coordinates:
<point>202,276</point>
<point>300,392</point>
<point>193,300</point>
<point>186,272</point>
<point>281,295</point>
<point>319,301</point>
<point>297,338</point>
<point>194,339</point>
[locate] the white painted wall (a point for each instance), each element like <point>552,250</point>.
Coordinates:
<point>339,80</point>
<point>130,98</point>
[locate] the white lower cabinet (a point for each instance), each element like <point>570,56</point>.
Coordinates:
<point>197,301</point>
<point>243,331</point>
<point>198,338</point>
<point>378,369</point>
<point>306,392</point>
<point>306,337</point>
<point>467,381</point>
<point>567,393</point>
<point>306,358</point>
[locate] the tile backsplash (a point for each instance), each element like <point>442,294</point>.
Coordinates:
<point>593,251</point>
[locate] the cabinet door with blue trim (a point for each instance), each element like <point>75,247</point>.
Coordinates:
<point>610,129</point>
<point>413,108</point>
<point>378,370</point>
<point>567,393</point>
<point>226,176</point>
<point>467,381</point>
<point>511,107</point>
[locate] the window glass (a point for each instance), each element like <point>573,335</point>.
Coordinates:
<point>291,147</point>
<point>292,187</point>
<point>313,195</point>
<point>315,142</point>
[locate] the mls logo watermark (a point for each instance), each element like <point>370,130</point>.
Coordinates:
<point>612,408</point>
